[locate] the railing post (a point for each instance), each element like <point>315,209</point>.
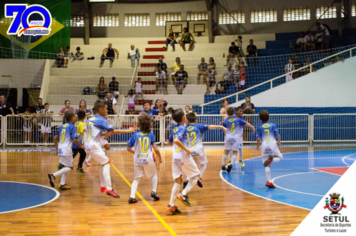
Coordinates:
<point>162,129</point>
<point>350,53</point>
<point>271,84</point>
<point>202,110</point>
<point>237,97</point>
<point>311,129</point>
<point>310,68</point>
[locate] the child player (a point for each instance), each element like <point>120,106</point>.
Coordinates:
<point>95,126</point>
<point>233,138</point>
<point>182,163</point>
<point>267,133</point>
<point>240,129</point>
<point>195,134</point>
<point>144,164</point>
<point>80,125</point>
<point>67,136</point>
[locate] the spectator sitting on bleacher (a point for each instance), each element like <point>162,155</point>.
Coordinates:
<point>233,52</point>
<point>67,56</point>
<point>228,76</point>
<point>210,74</point>
<point>60,57</point>
<point>181,79</point>
<point>239,45</point>
<point>212,64</point>
<point>111,104</point>
<point>134,54</point>
<point>114,87</point>
<point>299,43</point>
<point>319,39</point>
<point>109,53</point>
<point>163,67</point>
<point>221,87</point>
<point>171,40</point>
<point>187,38</point>
<point>161,79</point>
<point>325,30</point>
<point>83,107</point>
<point>101,89</point>
<point>78,55</point>
<point>202,67</point>
<point>175,67</point>
<point>309,41</point>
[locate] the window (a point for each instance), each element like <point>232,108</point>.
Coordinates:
<point>197,16</point>
<point>139,19</point>
<point>231,17</point>
<point>161,18</point>
<point>261,16</point>
<point>77,21</point>
<point>353,9</point>
<point>296,14</point>
<point>106,20</point>
<point>330,11</point>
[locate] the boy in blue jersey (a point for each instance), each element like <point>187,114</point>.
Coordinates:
<point>182,163</point>
<point>195,135</point>
<point>67,135</point>
<point>144,163</point>
<point>239,130</point>
<point>267,135</point>
<point>95,127</point>
<point>233,138</point>
<point>152,112</point>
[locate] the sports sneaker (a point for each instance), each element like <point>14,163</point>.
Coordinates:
<point>268,161</point>
<point>183,198</point>
<point>59,166</point>
<point>51,178</point>
<point>80,170</point>
<point>173,210</point>
<point>87,163</point>
<point>111,193</point>
<point>132,200</point>
<point>242,164</point>
<point>64,187</point>
<point>229,167</point>
<point>154,196</point>
<point>223,167</point>
<point>270,185</point>
<point>102,189</point>
<point>200,182</point>
<point>185,184</point>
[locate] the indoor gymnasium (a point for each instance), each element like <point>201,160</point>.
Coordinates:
<point>176,117</point>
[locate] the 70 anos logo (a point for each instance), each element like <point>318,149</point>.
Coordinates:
<point>21,23</point>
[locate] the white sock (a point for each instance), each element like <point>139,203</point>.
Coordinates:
<point>154,183</point>
<point>134,187</point>
<point>240,153</point>
<point>106,173</point>
<point>88,159</point>
<point>268,174</point>
<point>233,159</point>
<point>187,178</point>
<point>101,175</point>
<point>230,153</point>
<point>107,153</point>
<point>190,185</point>
<point>224,159</point>
<point>175,191</point>
<point>64,177</point>
<point>62,171</point>
<point>277,159</point>
<point>202,169</point>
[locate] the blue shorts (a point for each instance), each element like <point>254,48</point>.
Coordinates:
<point>179,83</point>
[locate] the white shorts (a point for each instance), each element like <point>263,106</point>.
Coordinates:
<point>289,78</point>
<point>138,90</point>
<point>116,93</point>
<point>103,141</point>
<point>242,82</point>
<point>66,160</point>
<point>27,129</point>
<point>184,165</point>
<point>148,170</point>
<point>97,154</point>
<point>199,156</point>
<point>46,130</point>
<point>267,151</point>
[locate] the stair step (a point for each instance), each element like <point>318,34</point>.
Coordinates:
<point>147,82</point>
<point>157,42</point>
<point>155,49</point>
<point>149,91</point>
<point>146,74</point>
<point>152,56</point>
<point>141,102</point>
<point>148,64</point>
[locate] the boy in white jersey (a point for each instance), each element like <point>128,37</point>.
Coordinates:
<point>268,134</point>
<point>195,134</point>
<point>233,137</point>
<point>182,163</point>
<point>144,162</point>
<point>95,127</point>
<point>67,136</point>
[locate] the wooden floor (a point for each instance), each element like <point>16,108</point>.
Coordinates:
<point>217,208</point>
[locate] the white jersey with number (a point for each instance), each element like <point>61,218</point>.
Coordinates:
<point>95,127</point>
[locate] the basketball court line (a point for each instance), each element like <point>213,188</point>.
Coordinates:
<point>56,191</point>
<point>146,203</point>
<point>346,157</point>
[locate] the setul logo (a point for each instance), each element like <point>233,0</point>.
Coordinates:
<point>21,23</point>
<point>335,204</point>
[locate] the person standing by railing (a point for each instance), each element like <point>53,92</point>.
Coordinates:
<point>249,109</point>
<point>83,107</point>
<point>64,109</point>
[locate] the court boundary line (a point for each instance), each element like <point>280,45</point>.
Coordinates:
<point>55,198</point>
<point>345,157</point>
<point>259,195</point>
<point>170,230</point>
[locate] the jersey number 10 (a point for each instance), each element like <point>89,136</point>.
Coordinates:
<point>143,146</point>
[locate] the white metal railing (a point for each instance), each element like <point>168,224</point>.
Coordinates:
<point>276,78</point>
<point>294,128</point>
